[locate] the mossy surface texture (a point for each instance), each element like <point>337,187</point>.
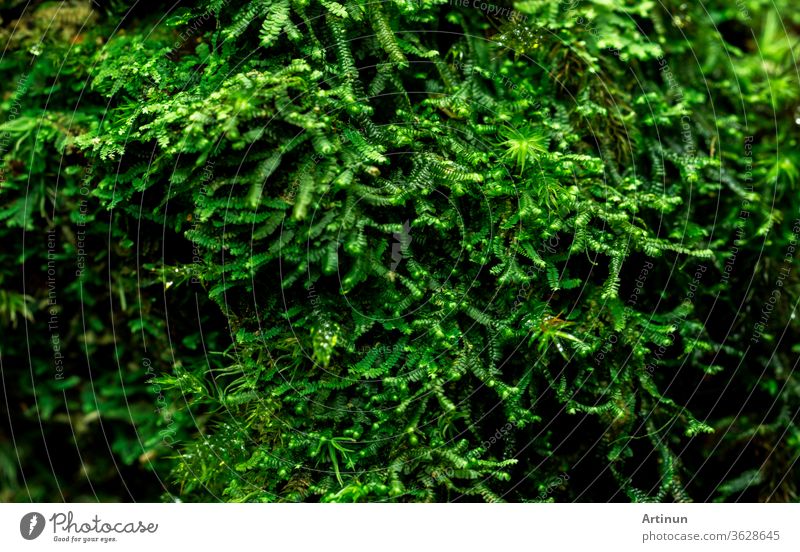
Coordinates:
<point>408,250</point>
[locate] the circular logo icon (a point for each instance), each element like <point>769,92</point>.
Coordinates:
<point>31,525</point>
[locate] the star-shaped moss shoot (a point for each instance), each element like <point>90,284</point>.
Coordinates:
<point>522,144</point>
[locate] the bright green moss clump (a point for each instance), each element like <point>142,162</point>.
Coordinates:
<point>409,251</point>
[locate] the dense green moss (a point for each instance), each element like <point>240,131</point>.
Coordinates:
<point>411,250</point>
